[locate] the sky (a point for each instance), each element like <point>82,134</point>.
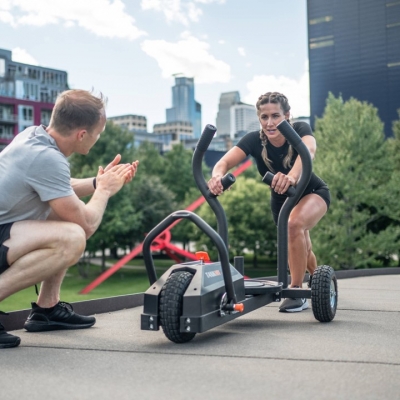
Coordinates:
<point>130,49</point>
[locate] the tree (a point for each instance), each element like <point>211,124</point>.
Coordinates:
<point>392,199</point>
<point>155,202</point>
<point>183,232</point>
<point>152,163</point>
<point>114,140</point>
<point>352,158</point>
<point>122,215</point>
<point>178,175</point>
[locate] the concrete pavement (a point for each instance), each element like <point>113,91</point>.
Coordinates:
<point>261,355</point>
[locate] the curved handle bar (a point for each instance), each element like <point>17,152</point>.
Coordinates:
<point>295,140</point>
<point>197,160</point>
<point>220,239</point>
<point>206,137</point>
<point>210,232</point>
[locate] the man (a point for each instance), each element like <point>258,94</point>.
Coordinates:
<point>43,224</point>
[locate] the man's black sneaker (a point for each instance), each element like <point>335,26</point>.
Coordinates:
<point>6,339</point>
<point>61,316</point>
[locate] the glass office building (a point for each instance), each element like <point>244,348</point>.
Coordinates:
<point>184,107</point>
<point>354,51</point>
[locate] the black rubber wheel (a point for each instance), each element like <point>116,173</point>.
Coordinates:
<point>324,293</point>
<point>171,298</point>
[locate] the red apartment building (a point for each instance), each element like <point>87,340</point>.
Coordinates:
<point>27,95</point>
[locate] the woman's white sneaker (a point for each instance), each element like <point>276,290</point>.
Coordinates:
<point>293,305</point>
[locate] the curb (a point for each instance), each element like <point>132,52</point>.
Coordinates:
<point>16,319</point>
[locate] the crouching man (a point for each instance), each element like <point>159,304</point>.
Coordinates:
<point>43,223</point>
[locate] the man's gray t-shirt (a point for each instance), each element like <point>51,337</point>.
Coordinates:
<point>32,171</point>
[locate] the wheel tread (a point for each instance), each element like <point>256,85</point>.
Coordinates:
<point>171,302</point>
<point>320,293</point>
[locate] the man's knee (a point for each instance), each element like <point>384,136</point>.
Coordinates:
<point>74,242</point>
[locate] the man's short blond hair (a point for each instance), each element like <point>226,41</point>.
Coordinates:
<point>77,109</point>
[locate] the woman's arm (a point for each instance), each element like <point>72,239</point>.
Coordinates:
<point>232,158</point>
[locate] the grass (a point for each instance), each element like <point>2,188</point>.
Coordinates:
<point>124,281</point>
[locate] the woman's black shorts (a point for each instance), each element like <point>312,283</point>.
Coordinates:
<point>277,202</point>
<point>4,235</point>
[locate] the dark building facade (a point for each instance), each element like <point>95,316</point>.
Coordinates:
<point>354,51</point>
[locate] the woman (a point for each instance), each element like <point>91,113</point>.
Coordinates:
<point>273,153</point>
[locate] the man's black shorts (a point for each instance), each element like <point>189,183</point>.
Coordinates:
<point>4,235</point>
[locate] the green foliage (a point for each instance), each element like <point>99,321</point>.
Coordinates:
<point>151,161</point>
<point>121,218</point>
<point>251,172</point>
<point>140,205</point>
<point>391,200</point>
<point>113,141</point>
<point>183,232</point>
<point>353,159</point>
<point>178,176</point>
<point>155,202</point>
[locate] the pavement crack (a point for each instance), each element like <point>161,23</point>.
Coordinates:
<point>249,357</point>
<point>363,310</point>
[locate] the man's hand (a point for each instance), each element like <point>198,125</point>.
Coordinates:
<point>112,180</point>
<point>115,162</point>
<point>134,165</point>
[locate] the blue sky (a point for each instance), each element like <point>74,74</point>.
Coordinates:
<point>129,49</point>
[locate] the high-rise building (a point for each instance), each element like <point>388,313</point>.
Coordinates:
<point>354,51</point>
<point>226,101</point>
<point>136,123</point>
<point>27,95</point>
<point>172,133</point>
<point>184,107</point>
<point>234,117</point>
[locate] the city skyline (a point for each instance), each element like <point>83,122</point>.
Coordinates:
<point>130,52</point>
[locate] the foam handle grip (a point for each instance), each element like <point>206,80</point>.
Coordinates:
<point>268,180</point>
<point>228,180</point>
<point>206,137</point>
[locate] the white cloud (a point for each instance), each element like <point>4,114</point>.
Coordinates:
<point>221,41</point>
<point>242,51</point>
<point>297,91</point>
<point>5,15</point>
<point>189,56</point>
<point>174,10</point>
<point>181,11</point>
<point>104,18</point>
<point>210,1</point>
<point>22,56</point>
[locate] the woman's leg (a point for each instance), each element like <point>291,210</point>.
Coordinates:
<point>304,216</point>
